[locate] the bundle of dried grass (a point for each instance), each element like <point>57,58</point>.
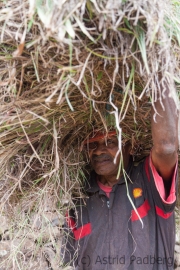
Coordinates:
<point>68,67</point>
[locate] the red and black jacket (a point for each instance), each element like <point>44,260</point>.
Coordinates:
<point>104,233</point>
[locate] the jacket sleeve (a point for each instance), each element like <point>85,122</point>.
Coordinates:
<point>165,203</point>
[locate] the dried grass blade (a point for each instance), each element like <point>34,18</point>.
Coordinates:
<point>28,138</point>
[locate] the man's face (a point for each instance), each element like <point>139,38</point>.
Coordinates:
<point>102,153</point>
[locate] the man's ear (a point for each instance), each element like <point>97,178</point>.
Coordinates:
<point>128,147</point>
<point>131,152</point>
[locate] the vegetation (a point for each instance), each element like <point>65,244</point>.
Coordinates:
<point>68,67</point>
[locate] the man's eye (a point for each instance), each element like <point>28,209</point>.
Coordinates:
<point>92,146</point>
<point>110,141</point>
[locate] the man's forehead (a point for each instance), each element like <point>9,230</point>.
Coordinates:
<point>99,135</point>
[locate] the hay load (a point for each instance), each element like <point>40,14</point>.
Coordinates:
<point>68,67</point>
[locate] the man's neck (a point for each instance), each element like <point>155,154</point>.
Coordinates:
<point>109,180</point>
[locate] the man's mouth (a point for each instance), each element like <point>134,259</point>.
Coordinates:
<point>101,159</point>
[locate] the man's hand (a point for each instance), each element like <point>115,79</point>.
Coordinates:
<point>165,136</point>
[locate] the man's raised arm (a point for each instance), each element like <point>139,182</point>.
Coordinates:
<point>164,124</point>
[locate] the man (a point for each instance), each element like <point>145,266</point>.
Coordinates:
<point>127,222</point>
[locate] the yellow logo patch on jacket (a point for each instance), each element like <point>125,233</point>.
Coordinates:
<point>137,192</point>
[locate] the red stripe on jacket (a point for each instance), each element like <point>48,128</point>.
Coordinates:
<point>142,211</point>
<point>162,214</point>
<point>81,231</point>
